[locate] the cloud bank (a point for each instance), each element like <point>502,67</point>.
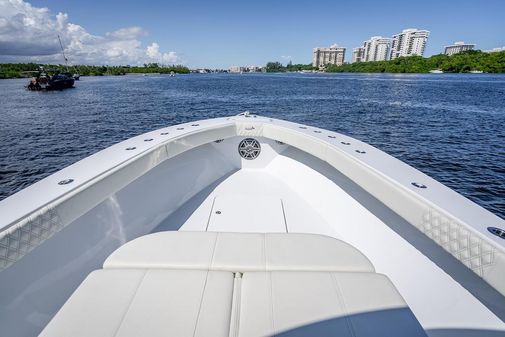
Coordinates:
<point>30,34</point>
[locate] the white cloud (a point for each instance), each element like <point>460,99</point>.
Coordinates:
<point>153,51</point>
<point>28,33</point>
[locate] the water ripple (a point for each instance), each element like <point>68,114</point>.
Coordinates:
<point>448,126</point>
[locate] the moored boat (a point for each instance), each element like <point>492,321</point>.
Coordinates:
<point>43,80</point>
<point>248,226</point>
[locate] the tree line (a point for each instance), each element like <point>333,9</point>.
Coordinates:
<point>472,60</point>
<point>277,67</point>
<point>18,70</point>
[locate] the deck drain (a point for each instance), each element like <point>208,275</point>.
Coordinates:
<point>249,148</point>
<point>164,133</point>
<point>345,143</point>
<point>360,151</point>
<point>130,148</point>
<point>148,140</point>
<point>497,231</point>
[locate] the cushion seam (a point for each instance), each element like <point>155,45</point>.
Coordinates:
<point>265,250</point>
<point>341,300</point>
<point>201,302</point>
<point>211,262</point>
<point>130,303</point>
<point>271,295</point>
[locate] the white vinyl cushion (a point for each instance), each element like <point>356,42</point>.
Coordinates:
<point>323,304</point>
<point>239,252</point>
<point>132,303</point>
<point>219,284</point>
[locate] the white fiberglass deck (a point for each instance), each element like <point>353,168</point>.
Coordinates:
<point>287,196</point>
<point>305,180</point>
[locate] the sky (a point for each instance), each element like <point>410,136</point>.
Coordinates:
<point>220,34</point>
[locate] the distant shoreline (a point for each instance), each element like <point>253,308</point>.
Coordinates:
<point>466,62</point>
<point>22,70</point>
<point>272,73</point>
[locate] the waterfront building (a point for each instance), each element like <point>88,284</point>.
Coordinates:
<point>357,54</point>
<point>248,69</point>
<point>253,69</point>
<point>236,69</point>
<point>332,55</point>
<point>458,47</point>
<point>377,48</point>
<point>495,50</point>
<point>409,42</point>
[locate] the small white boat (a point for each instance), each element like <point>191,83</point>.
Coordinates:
<point>248,226</point>
<point>436,71</point>
<point>476,72</point>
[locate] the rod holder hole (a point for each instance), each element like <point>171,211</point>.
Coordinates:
<point>497,231</point>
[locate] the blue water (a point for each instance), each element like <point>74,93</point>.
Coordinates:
<point>451,127</point>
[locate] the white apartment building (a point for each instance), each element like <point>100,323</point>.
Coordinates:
<point>409,42</point>
<point>377,48</point>
<point>495,50</point>
<point>357,54</point>
<point>458,47</point>
<point>332,55</point>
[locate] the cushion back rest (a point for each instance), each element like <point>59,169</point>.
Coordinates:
<point>239,252</point>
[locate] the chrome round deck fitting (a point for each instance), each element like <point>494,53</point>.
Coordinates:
<point>65,181</point>
<point>148,140</point>
<point>419,185</point>
<point>497,231</point>
<point>218,212</point>
<point>345,143</point>
<point>130,148</point>
<point>249,148</point>
<point>360,151</point>
<point>164,133</point>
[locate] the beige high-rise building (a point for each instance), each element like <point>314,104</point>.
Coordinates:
<point>377,48</point>
<point>332,55</point>
<point>409,42</point>
<point>357,54</point>
<point>457,48</point>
